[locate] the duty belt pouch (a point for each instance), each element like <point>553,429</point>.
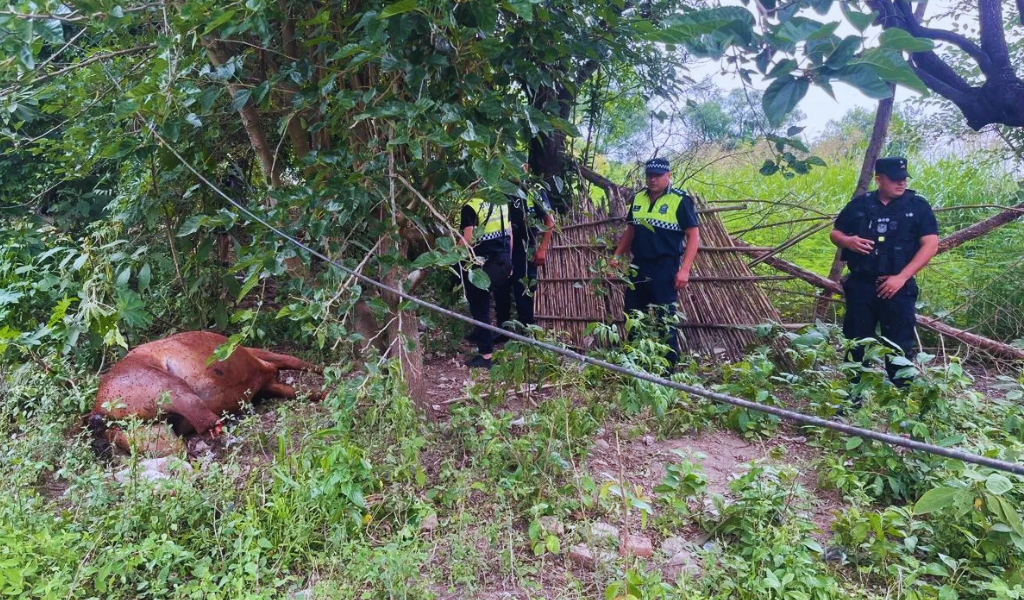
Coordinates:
<point>498,268</point>
<point>865,263</point>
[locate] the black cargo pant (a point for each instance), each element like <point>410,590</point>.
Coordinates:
<point>498,267</point>
<point>654,286</point>
<point>894,317</point>
<point>517,290</point>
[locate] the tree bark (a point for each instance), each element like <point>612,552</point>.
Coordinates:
<point>618,196</point>
<point>958,238</point>
<point>249,115</point>
<point>976,341</point>
<point>998,99</point>
<point>403,334</point>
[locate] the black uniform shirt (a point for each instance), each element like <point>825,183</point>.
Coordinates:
<point>525,232</point>
<point>904,221</point>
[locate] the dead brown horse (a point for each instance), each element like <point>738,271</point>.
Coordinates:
<point>170,378</point>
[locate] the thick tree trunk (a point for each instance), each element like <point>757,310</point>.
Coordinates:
<point>878,133</point>
<point>998,98</point>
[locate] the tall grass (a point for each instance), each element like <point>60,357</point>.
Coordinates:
<point>976,286</point>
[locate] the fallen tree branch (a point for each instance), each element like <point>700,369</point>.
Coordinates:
<point>995,347</point>
<point>958,238</point>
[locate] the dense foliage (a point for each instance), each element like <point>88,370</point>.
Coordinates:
<point>359,127</point>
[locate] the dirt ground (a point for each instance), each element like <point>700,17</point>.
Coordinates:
<point>634,459</point>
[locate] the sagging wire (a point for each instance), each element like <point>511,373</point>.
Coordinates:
<point>789,415</point>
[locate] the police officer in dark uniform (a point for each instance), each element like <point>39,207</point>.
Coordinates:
<point>662,234</point>
<point>525,215</point>
<point>886,237</point>
<point>487,230</point>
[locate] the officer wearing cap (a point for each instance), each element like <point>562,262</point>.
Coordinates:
<point>886,237</point>
<point>662,234</point>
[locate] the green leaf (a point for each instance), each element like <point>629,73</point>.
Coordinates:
<point>866,79</point>
<point>898,39</point>
<point>25,58</point>
<point>783,67</point>
<point>690,27</point>
<point>1011,516</point>
<point>854,442</point>
<point>935,499</point>
<point>813,545</point>
<point>191,225</point>
<point>844,52</point>
<point>797,29</point>
<point>998,484</point>
<point>553,545</point>
<point>403,6</point>
<point>240,98</point>
<point>7,297</point>
<point>123,277</point>
<point>479,278</point>
<point>781,97</point>
<point>524,10</point>
<point>892,67</point>
<point>859,20</point>
<point>145,275</point>
<point>221,19</point>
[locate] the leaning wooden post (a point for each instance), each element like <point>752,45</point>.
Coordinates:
<point>882,117</point>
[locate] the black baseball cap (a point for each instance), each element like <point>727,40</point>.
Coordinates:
<point>893,167</point>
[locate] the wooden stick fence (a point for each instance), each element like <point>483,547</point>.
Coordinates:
<point>723,302</point>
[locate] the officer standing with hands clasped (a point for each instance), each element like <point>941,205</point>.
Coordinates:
<point>886,237</point>
<point>662,229</point>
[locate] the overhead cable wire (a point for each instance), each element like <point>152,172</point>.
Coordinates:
<point>789,415</point>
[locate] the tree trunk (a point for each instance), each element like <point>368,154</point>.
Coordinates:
<point>249,115</point>
<point>403,333</point>
<point>975,341</point>
<point>618,196</point>
<point>878,133</point>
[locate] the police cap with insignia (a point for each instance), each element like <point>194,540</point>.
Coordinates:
<point>893,167</point>
<point>656,166</point>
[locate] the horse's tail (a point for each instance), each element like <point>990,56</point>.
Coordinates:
<point>97,426</point>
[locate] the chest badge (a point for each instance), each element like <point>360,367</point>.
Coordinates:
<point>663,209</point>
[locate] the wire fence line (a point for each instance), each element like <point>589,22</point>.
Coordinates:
<point>789,415</point>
